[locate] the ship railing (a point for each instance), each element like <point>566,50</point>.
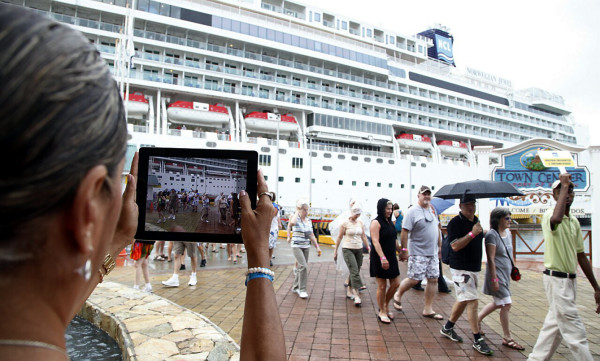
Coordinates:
<point>337,149</point>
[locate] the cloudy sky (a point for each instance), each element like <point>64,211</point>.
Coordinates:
<point>553,45</point>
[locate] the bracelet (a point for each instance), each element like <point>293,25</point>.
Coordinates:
<point>494,280</point>
<point>383,258</point>
<point>107,265</point>
<point>264,270</point>
<point>252,276</point>
<point>472,235</point>
<point>404,249</point>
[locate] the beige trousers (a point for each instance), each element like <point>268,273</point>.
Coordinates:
<point>562,322</point>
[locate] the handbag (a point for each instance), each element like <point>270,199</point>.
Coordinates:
<point>515,274</point>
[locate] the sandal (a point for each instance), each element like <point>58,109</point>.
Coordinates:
<point>435,316</point>
<point>384,319</point>
<point>512,344</point>
<point>390,316</point>
<point>397,305</point>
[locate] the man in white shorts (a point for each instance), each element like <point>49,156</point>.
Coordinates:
<point>466,241</point>
<point>420,230</point>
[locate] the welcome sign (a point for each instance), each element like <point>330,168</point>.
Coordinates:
<point>525,170</point>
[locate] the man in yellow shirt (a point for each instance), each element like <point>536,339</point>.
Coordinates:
<point>564,249</point>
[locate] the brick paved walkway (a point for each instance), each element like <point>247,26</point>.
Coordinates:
<point>327,326</point>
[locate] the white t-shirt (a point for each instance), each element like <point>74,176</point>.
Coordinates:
<point>422,225</point>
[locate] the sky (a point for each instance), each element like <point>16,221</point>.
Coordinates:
<point>553,45</point>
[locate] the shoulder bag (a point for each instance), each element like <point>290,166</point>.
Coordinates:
<point>515,274</point>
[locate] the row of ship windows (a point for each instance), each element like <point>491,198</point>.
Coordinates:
<point>341,183</point>
<point>264,160</point>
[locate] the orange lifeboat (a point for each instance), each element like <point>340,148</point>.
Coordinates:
<point>173,166</point>
<point>195,113</point>
<point>137,105</point>
<point>451,147</point>
<point>265,122</point>
<point>194,169</point>
<point>414,141</point>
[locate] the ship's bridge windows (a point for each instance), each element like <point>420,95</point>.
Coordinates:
<point>354,158</point>
<point>367,160</point>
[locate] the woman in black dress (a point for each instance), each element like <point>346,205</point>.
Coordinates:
<point>384,264</point>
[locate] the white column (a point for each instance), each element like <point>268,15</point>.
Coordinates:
<point>595,186</point>
<point>158,125</point>
<point>483,172</point>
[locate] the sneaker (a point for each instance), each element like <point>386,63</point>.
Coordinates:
<point>136,287</point>
<point>148,288</point>
<point>203,263</point>
<point>172,282</point>
<point>482,347</point>
<point>451,334</point>
<point>302,294</point>
<point>296,291</point>
<point>193,280</point>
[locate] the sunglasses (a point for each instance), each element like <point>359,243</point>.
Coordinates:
<point>507,218</point>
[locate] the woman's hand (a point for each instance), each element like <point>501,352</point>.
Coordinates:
<point>256,225</point>
<point>495,285</point>
<point>128,220</point>
<point>385,264</point>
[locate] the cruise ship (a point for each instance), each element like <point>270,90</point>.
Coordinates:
<point>336,108</point>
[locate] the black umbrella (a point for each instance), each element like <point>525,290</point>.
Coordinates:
<point>478,189</point>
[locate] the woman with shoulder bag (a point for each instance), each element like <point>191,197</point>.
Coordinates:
<point>498,248</point>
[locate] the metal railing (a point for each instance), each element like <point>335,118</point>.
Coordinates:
<point>533,248</point>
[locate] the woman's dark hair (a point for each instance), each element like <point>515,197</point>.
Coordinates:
<point>496,215</point>
<point>61,115</point>
<point>381,206</point>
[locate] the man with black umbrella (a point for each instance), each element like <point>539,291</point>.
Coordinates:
<point>466,242</point>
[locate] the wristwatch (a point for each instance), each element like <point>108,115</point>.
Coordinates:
<point>107,266</point>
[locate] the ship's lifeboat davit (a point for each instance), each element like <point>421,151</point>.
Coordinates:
<point>451,147</point>
<point>137,105</point>
<point>268,122</point>
<point>414,141</point>
<point>195,113</point>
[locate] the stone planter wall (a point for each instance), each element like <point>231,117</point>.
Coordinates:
<point>148,327</point>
